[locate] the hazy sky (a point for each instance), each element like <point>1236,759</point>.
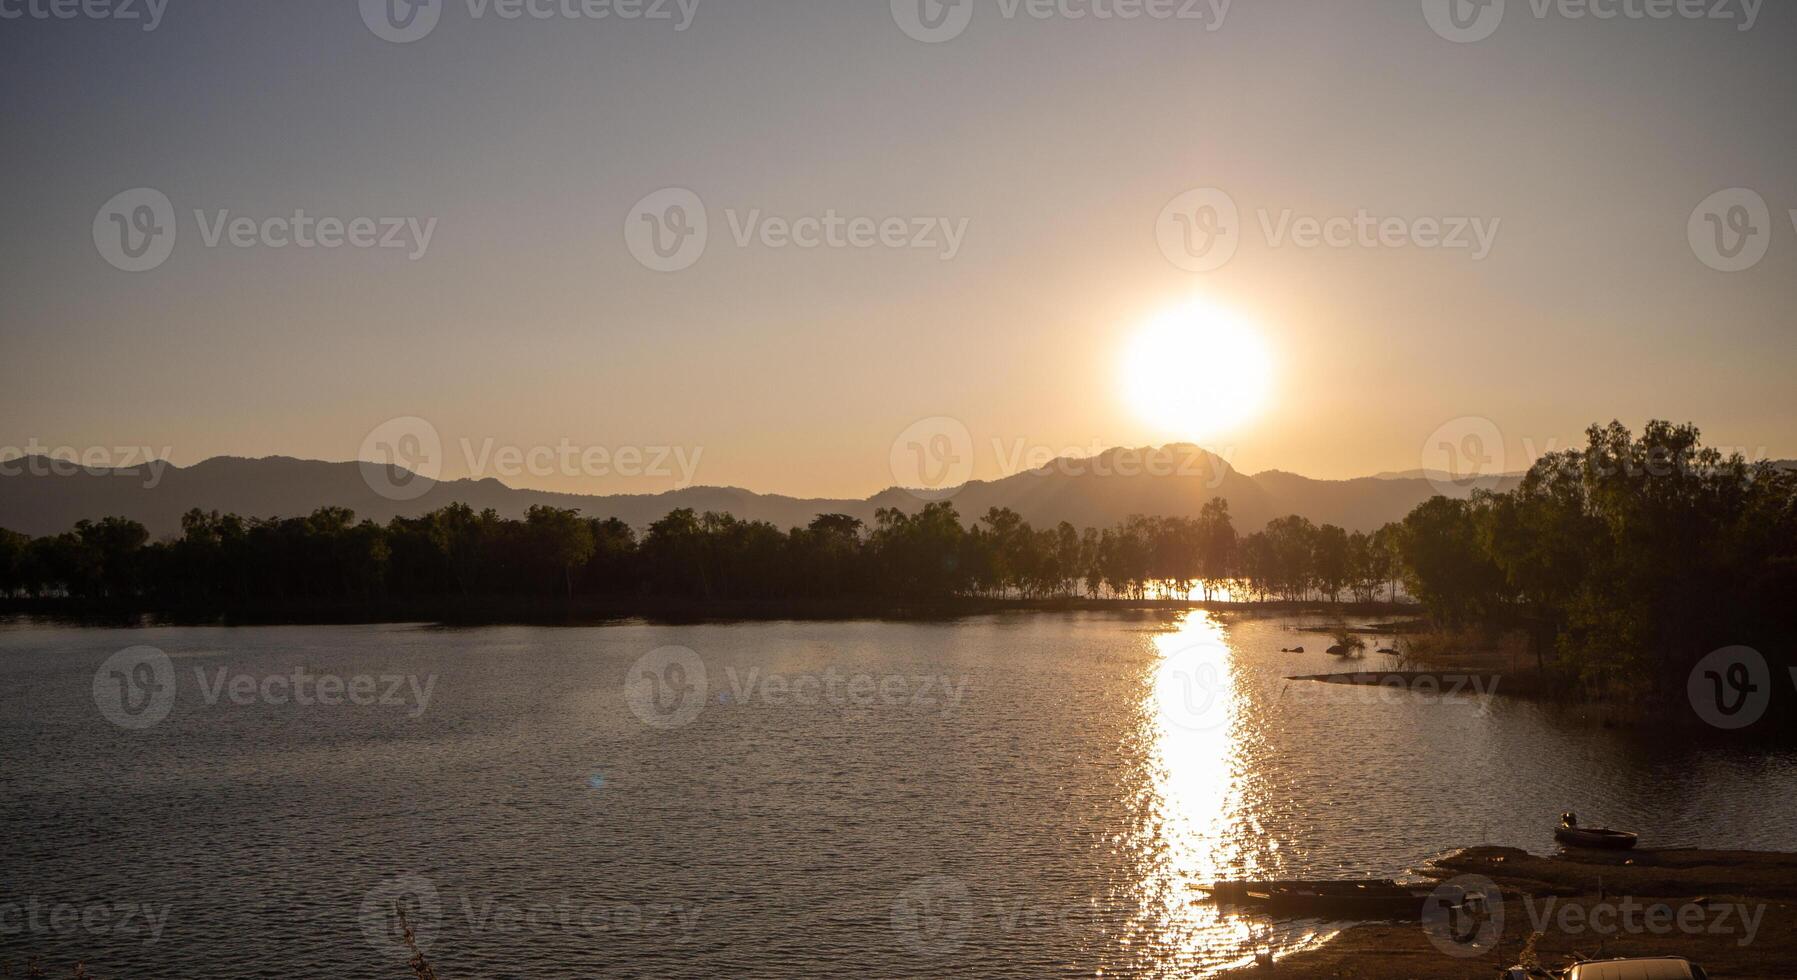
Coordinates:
<point>1048,147</point>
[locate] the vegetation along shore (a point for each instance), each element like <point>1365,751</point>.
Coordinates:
<point>1613,569</point>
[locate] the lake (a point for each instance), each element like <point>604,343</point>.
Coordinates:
<point>1008,796</point>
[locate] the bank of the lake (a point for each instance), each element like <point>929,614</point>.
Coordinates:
<point>590,610</point>
<point>1739,910</point>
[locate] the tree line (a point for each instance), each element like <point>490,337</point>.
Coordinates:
<point>1626,561</point>
<point>1627,557</point>
<point>222,560</point>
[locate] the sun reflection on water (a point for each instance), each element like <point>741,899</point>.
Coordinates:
<point>1196,822</point>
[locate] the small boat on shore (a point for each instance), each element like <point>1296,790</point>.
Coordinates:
<point>1595,838</point>
<point>1237,891</point>
<point>1356,902</point>
<point>1367,899</point>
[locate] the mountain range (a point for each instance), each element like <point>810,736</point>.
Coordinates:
<point>1172,481</point>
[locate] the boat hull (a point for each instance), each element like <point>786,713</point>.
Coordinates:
<point>1370,900</point>
<point>1595,839</point>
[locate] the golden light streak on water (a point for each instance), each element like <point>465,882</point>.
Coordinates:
<point>1197,821</point>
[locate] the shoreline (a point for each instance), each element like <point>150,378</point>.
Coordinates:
<point>586,611</point>
<point>1732,912</point>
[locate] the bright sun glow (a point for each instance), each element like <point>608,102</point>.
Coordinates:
<point>1197,370</point>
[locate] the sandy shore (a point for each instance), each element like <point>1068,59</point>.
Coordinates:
<point>1732,912</point>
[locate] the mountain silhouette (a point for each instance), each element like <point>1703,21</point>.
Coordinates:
<point>1099,491</point>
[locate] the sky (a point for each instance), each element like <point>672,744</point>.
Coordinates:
<point>1548,247</point>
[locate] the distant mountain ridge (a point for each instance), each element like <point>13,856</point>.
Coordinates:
<point>1088,492</point>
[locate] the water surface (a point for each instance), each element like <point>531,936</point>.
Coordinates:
<point>1020,795</point>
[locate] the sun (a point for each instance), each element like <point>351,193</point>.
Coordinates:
<point>1197,370</point>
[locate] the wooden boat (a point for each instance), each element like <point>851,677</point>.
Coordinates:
<point>1237,891</point>
<point>1597,838</point>
<point>1352,902</point>
<point>1369,899</point>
